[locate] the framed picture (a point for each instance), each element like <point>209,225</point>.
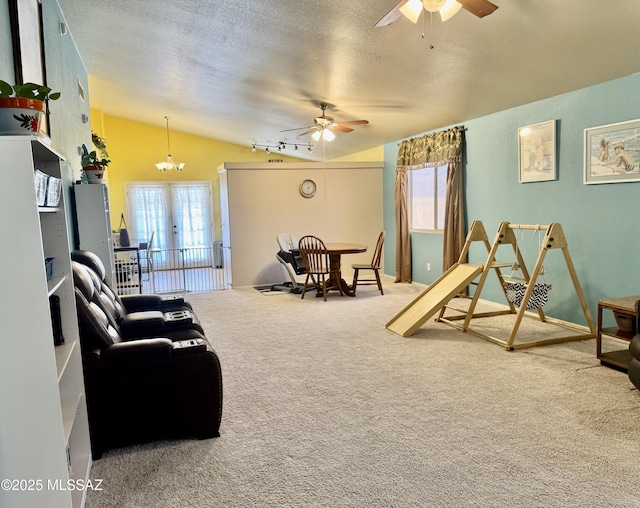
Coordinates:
<point>28,44</point>
<point>612,153</point>
<point>537,152</point>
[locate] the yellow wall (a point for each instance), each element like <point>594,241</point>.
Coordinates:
<point>375,154</point>
<point>134,148</point>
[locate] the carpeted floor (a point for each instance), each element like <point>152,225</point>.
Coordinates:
<point>324,407</point>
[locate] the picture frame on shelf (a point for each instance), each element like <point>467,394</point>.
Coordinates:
<point>612,153</point>
<point>25,17</point>
<point>537,152</point>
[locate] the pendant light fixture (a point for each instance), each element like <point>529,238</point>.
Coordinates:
<point>169,165</point>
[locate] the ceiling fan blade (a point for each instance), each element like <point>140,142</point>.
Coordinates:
<point>480,8</point>
<point>391,16</point>
<point>296,129</point>
<point>353,122</point>
<point>309,131</point>
<point>340,128</point>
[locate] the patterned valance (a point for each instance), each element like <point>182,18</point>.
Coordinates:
<point>431,150</point>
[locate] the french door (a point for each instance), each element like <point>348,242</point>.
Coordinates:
<point>179,214</point>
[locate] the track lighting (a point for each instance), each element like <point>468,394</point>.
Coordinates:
<point>282,145</point>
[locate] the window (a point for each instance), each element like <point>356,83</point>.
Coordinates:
<point>427,198</point>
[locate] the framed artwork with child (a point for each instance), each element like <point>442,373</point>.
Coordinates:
<point>537,152</point>
<point>612,153</point>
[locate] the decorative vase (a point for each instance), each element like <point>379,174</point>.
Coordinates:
<point>20,116</point>
<point>94,174</point>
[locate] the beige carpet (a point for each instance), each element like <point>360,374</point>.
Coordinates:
<point>324,407</point>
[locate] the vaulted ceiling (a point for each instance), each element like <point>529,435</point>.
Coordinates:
<point>243,71</point>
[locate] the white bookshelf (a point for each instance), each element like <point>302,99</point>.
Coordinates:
<point>94,223</point>
<point>44,440</point>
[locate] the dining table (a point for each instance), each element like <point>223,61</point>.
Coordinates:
<point>335,251</point>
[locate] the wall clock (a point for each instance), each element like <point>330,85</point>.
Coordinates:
<point>308,188</point>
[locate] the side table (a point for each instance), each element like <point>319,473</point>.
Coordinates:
<point>625,311</point>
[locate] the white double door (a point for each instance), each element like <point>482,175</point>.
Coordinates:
<point>179,214</point>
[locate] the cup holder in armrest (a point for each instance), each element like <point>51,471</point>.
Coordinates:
<point>178,317</point>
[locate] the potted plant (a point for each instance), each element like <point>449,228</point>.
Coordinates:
<point>22,107</point>
<point>95,163</point>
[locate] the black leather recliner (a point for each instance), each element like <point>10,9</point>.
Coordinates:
<point>131,303</point>
<point>634,349</point>
<point>136,314</point>
<point>148,387</point>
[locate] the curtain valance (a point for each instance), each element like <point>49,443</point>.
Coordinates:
<point>431,150</point>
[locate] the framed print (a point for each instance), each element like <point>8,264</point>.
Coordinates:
<point>28,44</point>
<point>612,153</point>
<point>537,152</point>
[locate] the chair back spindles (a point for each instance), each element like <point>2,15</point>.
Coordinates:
<point>374,266</point>
<point>316,260</point>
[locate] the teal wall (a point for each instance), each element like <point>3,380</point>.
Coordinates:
<point>599,221</point>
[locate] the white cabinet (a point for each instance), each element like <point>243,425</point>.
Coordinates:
<point>44,432</point>
<point>94,223</point>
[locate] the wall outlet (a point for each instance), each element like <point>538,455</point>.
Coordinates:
<point>428,267</point>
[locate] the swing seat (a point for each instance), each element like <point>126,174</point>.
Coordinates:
<point>515,291</point>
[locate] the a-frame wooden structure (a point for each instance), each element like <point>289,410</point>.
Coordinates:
<point>446,288</point>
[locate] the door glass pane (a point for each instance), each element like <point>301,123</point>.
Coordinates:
<point>149,212</point>
<point>191,216</point>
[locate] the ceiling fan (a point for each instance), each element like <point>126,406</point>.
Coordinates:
<point>323,125</point>
<point>447,8</point>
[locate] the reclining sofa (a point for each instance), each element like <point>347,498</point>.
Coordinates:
<point>149,371</point>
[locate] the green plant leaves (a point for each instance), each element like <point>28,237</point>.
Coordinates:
<point>28,91</point>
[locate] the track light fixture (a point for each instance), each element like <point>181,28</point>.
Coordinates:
<point>281,146</point>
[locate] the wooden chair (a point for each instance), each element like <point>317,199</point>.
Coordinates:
<point>316,260</point>
<point>146,255</point>
<point>374,266</point>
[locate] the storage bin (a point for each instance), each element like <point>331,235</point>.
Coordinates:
<point>625,322</point>
<point>48,264</point>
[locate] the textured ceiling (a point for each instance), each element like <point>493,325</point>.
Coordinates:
<point>242,71</point>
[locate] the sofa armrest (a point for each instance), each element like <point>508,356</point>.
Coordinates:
<point>136,351</point>
<point>135,303</point>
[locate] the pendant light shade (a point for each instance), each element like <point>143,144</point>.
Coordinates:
<point>169,165</point>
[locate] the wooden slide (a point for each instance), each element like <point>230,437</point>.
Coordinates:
<point>435,297</point>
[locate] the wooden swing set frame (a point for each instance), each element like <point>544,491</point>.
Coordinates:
<point>554,239</point>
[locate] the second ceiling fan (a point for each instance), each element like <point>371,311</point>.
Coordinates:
<point>323,125</point>
<point>447,8</point>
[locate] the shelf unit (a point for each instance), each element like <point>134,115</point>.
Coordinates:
<point>93,218</point>
<point>624,307</point>
<point>45,431</point>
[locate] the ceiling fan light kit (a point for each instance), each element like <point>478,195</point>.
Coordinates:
<point>412,9</point>
<point>324,125</point>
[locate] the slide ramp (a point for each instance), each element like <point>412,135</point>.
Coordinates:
<point>436,296</point>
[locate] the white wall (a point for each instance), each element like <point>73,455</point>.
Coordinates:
<point>264,201</point>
